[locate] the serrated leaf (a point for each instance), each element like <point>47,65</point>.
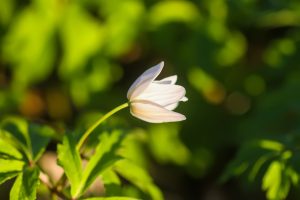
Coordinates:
<point>8,151</point>
<point>18,128</point>
<point>7,175</point>
<point>40,137</point>
<point>32,139</point>
<point>293,175</point>
<point>104,156</point>
<point>69,159</point>
<point>25,185</point>
<point>111,198</point>
<point>272,180</point>
<point>10,165</point>
<point>258,165</point>
<point>110,176</point>
<point>15,131</point>
<point>112,182</point>
<point>139,177</point>
<point>251,157</point>
<point>278,179</point>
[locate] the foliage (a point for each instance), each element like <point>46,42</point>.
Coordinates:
<point>64,63</point>
<point>274,162</point>
<point>21,160</point>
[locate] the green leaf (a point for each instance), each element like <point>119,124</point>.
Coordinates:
<point>277,180</point>
<point>10,165</point>
<point>18,128</point>
<point>15,131</point>
<point>32,139</point>
<point>40,137</point>
<point>272,179</point>
<point>69,159</point>
<point>7,175</point>
<point>170,11</point>
<point>8,151</point>
<point>25,185</point>
<point>251,158</point>
<point>105,156</point>
<point>139,177</point>
<point>169,149</point>
<point>111,182</point>
<point>258,165</point>
<point>111,198</point>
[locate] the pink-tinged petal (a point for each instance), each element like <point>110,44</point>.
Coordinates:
<point>143,81</point>
<point>162,94</point>
<point>154,113</point>
<point>169,80</point>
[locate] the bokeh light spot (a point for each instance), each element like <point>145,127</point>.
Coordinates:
<point>210,88</point>
<point>254,85</point>
<point>237,103</point>
<point>58,105</point>
<point>174,11</point>
<point>287,46</point>
<point>32,105</point>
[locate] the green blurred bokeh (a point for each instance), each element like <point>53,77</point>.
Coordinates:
<point>66,61</point>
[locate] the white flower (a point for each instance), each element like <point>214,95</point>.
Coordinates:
<point>153,101</point>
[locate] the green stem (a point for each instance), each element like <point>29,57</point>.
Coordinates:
<point>99,121</point>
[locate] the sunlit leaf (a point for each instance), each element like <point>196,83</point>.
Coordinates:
<point>25,185</point>
<point>251,157</point>
<point>112,182</point>
<point>258,165</point>
<point>40,137</point>
<point>169,148</point>
<point>11,165</point>
<point>30,35</point>
<point>69,159</point>
<point>31,138</point>
<point>15,132</point>
<point>123,14</point>
<point>18,128</point>
<point>8,151</point>
<point>7,175</point>
<point>133,145</point>
<point>293,175</point>
<point>104,156</point>
<point>139,177</point>
<point>272,180</point>
<point>82,36</point>
<point>174,11</point>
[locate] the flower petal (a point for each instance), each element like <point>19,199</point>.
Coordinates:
<point>143,81</point>
<point>154,113</point>
<point>184,99</point>
<point>169,80</point>
<point>174,105</point>
<point>162,94</point>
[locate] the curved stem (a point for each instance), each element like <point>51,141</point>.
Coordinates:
<point>53,190</point>
<point>99,121</point>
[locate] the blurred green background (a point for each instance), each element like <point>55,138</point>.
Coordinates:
<point>64,62</point>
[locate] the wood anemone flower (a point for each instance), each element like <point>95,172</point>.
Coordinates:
<point>154,101</point>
